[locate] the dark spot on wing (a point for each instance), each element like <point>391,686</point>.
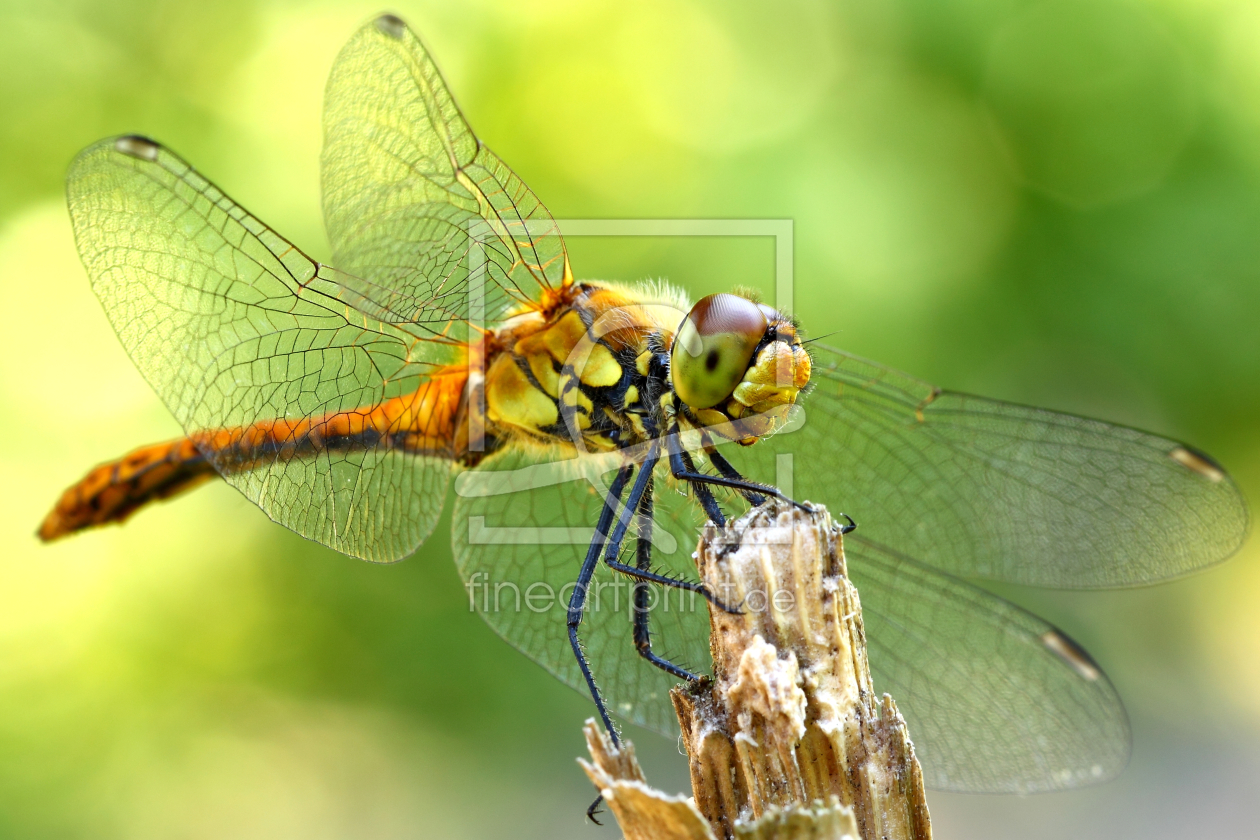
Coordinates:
<point>133,145</point>
<point>1071,653</point>
<point>392,26</point>
<point>1200,462</point>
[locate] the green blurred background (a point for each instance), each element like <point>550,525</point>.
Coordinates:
<point>1051,202</point>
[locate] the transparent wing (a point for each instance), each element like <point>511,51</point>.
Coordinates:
<point>995,699</point>
<point>434,226</point>
<point>982,488</point>
<point>236,329</point>
<point>521,527</point>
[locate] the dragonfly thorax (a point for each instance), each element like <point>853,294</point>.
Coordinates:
<point>588,367</point>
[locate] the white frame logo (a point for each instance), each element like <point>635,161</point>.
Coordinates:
<point>592,467</point>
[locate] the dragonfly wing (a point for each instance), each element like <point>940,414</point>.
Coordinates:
<point>233,325</point>
<point>983,488</point>
<point>521,527</point>
<point>434,226</point>
<point>995,699</point>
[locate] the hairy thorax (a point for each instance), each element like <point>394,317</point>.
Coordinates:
<point>578,368</point>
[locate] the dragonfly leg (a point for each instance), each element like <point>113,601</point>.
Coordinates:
<point>577,602</point>
<point>640,500</point>
<point>682,469</point>
<point>639,595</point>
<point>707,500</point>
<point>754,498</point>
<point>593,809</point>
<point>641,495</point>
<point>724,467</point>
<point>645,576</point>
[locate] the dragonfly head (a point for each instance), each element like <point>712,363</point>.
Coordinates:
<point>734,359</point>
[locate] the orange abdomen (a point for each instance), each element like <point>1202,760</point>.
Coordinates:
<point>426,421</point>
<point>114,491</point>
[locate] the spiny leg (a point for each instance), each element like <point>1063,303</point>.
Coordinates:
<point>643,575</point>
<point>679,467</point>
<point>724,467</point>
<point>642,489</point>
<point>639,501</point>
<point>705,496</point>
<point>640,592</point>
<point>728,470</point>
<point>577,602</point>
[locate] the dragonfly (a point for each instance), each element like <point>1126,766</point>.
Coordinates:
<point>590,428</point>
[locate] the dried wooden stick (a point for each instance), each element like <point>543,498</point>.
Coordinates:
<point>788,740</point>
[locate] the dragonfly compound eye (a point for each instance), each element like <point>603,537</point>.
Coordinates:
<point>713,348</point>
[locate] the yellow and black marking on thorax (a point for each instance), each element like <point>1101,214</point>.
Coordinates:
<point>580,370</point>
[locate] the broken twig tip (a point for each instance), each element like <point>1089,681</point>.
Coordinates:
<point>788,740</point>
